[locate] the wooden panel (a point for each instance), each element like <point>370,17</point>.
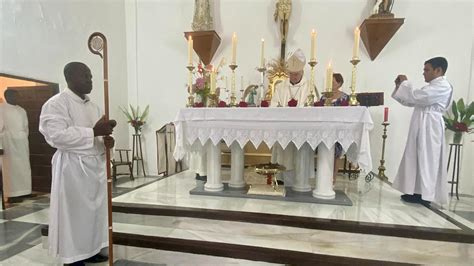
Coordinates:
<point>32,99</point>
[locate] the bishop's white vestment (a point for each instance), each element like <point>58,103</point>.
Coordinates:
<point>283,93</point>
<point>423,166</point>
<point>16,167</point>
<point>78,208</point>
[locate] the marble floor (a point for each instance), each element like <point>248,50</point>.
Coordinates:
<point>374,202</point>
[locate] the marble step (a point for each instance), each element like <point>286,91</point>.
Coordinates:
<point>406,231</point>
<point>280,244</point>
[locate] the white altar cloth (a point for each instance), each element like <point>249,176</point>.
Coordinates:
<point>349,126</point>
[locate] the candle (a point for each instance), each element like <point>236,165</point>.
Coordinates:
<point>355,50</point>
<point>313,45</point>
<point>234,49</point>
<point>262,54</point>
<point>385,114</point>
<point>190,50</point>
<point>329,77</point>
<point>213,81</point>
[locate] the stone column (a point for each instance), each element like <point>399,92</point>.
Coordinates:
<point>304,156</point>
<point>214,180</point>
<point>236,166</point>
<point>324,175</point>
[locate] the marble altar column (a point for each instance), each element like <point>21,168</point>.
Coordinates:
<point>304,157</point>
<point>214,180</point>
<point>236,166</point>
<point>324,175</point>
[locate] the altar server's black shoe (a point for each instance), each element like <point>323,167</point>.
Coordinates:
<point>97,258</point>
<point>410,198</point>
<point>201,177</point>
<point>280,182</point>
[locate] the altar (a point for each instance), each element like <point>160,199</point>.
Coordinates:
<point>201,130</point>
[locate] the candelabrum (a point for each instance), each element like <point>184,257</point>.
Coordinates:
<point>233,102</point>
<point>310,100</point>
<point>190,86</point>
<point>353,98</point>
<point>262,71</point>
<point>382,161</point>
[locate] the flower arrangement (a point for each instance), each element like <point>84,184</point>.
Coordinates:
<point>460,119</point>
<point>136,119</point>
<point>202,84</point>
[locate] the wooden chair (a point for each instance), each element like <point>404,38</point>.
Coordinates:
<point>124,159</point>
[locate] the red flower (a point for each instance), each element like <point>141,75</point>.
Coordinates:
<point>198,105</point>
<point>319,103</point>
<point>344,103</point>
<point>222,104</point>
<point>292,103</point>
<point>460,127</point>
<point>243,104</point>
<point>264,103</point>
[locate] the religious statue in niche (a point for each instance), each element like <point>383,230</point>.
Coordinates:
<point>383,8</point>
<point>202,20</point>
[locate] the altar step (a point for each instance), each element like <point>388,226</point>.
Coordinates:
<point>403,231</point>
<point>278,243</point>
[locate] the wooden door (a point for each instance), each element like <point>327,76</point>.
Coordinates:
<point>32,99</point>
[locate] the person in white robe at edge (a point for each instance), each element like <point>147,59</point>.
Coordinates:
<point>14,141</point>
<point>291,92</point>
<point>76,127</point>
<point>422,175</point>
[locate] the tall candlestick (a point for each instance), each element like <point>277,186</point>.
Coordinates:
<point>262,54</point>
<point>241,83</point>
<point>213,81</point>
<point>329,77</point>
<point>313,45</point>
<point>385,114</point>
<point>234,49</point>
<point>355,50</point>
<point>190,50</point>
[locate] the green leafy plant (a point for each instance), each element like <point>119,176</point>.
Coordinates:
<point>136,119</point>
<point>461,117</point>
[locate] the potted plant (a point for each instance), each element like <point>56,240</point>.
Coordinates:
<point>135,118</point>
<point>460,119</point>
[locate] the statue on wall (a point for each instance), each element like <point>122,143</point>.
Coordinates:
<point>383,8</point>
<point>202,20</point>
<point>282,14</point>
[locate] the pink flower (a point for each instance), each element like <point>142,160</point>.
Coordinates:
<point>264,103</point>
<point>222,104</point>
<point>344,103</point>
<point>198,105</point>
<point>243,104</point>
<point>200,83</point>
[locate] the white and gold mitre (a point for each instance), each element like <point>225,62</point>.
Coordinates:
<point>296,61</point>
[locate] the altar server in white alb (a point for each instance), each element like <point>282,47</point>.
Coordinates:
<point>422,174</point>
<point>76,127</point>
<point>14,141</point>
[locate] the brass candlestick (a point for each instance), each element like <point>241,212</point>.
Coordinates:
<point>262,71</point>
<point>233,102</point>
<point>382,175</point>
<point>190,86</point>
<point>310,99</point>
<point>353,99</point>
<point>212,100</point>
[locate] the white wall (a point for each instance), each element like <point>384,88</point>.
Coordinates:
<point>39,37</point>
<point>147,52</point>
<point>431,28</point>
